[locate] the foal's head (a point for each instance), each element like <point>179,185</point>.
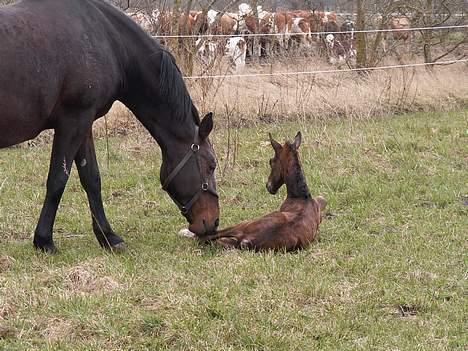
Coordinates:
<point>283,162</point>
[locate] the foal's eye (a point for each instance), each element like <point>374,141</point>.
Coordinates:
<point>271,162</point>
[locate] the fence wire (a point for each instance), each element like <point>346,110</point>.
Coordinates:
<point>249,35</point>
<point>273,74</point>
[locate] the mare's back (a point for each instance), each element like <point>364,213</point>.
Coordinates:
<point>40,35</point>
<point>69,28</point>
<point>56,53</point>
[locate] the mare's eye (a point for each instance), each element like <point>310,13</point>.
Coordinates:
<point>271,162</point>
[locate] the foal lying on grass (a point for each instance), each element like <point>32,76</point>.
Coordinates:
<point>296,223</point>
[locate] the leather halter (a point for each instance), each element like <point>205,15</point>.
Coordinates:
<point>204,186</point>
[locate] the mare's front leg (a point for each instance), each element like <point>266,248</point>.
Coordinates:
<point>69,135</point>
<point>90,178</point>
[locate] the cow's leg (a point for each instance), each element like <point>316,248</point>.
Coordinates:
<point>88,171</point>
<point>69,134</point>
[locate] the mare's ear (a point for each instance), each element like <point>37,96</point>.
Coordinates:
<point>276,146</point>
<point>206,126</point>
<point>297,140</point>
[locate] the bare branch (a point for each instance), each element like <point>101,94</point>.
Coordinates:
<point>456,46</point>
<point>128,6</point>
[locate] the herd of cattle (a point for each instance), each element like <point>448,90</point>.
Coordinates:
<point>228,33</point>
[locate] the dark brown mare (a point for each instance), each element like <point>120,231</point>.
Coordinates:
<point>62,65</point>
<point>296,223</point>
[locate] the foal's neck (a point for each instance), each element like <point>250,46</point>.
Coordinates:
<point>295,181</point>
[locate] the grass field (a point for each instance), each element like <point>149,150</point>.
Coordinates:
<point>388,272</point>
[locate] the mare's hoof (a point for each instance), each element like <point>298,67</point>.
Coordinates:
<point>119,248</point>
<point>112,242</point>
<point>46,248</point>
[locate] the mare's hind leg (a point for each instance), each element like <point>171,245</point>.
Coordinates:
<point>88,170</point>
<point>69,135</point>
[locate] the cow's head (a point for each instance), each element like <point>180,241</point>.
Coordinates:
<point>330,41</point>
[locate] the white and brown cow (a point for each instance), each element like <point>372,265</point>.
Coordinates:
<point>300,33</point>
<point>236,51</point>
<point>144,20</point>
<point>222,23</point>
<point>207,51</point>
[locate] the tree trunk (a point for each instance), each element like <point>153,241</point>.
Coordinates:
<point>256,47</point>
<point>361,59</point>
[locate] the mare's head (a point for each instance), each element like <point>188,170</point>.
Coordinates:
<point>280,164</point>
<point>187,170</point>
<point>190,181</point>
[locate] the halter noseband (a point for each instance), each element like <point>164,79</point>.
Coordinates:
<point>204,187</point>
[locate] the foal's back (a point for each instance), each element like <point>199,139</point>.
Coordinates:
<point>291,228</point>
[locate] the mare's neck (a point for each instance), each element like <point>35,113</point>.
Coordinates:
<point>149,82</point>
<point>295,181</point>
<point>157,95</point>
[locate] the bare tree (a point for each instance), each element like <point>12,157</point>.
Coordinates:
<point>438,44</point>
<point>372,48</point>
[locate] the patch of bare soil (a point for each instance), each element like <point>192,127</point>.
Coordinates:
<point>57,329</point>
<point>6,332</point>
<point>6,309</point>
<point>6,262</point>
<point>88,278</point>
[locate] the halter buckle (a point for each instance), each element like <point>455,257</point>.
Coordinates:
<point>195,147</point>
<point>204,187</point>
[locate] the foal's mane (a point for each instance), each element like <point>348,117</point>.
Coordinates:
<point>299,177</point>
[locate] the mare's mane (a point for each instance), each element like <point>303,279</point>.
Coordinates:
<point>172,88</point>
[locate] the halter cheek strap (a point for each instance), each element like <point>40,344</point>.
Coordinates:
<point>205,187</point>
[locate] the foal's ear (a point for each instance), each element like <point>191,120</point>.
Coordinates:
<point>297,140</point>
<point>276,146</point>
<point>206,126</point>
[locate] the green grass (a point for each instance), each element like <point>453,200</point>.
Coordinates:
<point>388,272</point>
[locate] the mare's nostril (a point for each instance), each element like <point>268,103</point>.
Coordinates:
<point>216,223</point>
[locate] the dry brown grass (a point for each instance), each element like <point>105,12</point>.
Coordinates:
<point>336,95</point>
<point>247,101</point>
